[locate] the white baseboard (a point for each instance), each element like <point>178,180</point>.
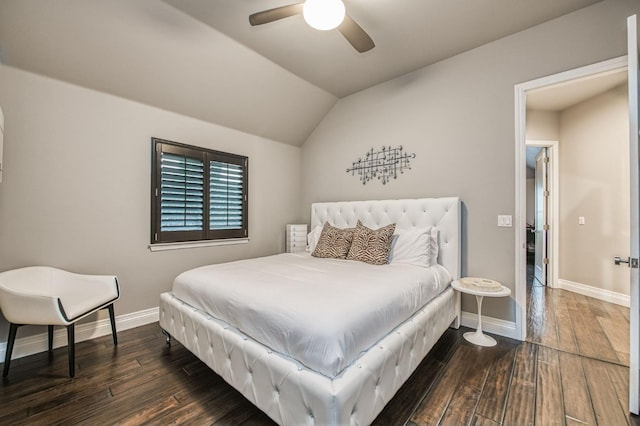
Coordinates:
<point>490,325</point>
<point>39,342</point>
<point>595,292</point>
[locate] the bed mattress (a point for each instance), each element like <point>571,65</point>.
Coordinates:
<point>324,313</point>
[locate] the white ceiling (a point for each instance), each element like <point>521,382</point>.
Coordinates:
<point>531,154</point>
<point>562,96</point>
<point>409,34</point>
<point>201,58</point>
<point>147,51</point>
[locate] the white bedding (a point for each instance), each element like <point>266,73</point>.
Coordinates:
<point>321,312</point>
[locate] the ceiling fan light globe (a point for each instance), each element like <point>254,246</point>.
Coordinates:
<point>323,14</point>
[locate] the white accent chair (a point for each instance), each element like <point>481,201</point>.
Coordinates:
<point>41,295</point>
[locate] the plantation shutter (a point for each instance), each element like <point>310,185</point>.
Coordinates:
<point>197,194</point>
<point>227,196</point>
<point>181,193</point>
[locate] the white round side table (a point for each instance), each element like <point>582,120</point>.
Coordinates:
<point>478,337</point>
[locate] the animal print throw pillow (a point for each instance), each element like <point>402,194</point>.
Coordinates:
<point>334,242</point>
<point>371,246</point>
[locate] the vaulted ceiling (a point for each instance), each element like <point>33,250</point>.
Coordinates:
<point>201,58</point>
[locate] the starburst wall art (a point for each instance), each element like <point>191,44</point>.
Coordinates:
<point>383,165</point>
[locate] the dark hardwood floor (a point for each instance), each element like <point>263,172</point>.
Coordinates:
<point>142,381</point>
<point>571,322</point>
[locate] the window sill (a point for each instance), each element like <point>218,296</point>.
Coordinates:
<point>196,244</point>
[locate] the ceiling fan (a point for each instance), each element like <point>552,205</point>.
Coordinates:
<point>321,15</point>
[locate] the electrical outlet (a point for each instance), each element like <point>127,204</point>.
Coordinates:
<point>580,220</point>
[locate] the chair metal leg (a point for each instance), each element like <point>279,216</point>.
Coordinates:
<point>167,337</point>
<point>112,318</point>
<point>50,331</point>
<point>71,342</point>
<point>13,330</point>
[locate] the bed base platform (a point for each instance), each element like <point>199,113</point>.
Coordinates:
<point>292,394</point>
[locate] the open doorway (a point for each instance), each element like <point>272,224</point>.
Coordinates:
<point>542,211</point>
<point>538,106</point>
<point>549,112</point>
<point>541,197</point>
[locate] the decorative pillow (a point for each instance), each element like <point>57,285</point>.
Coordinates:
<point>418,246</point>
<point>313,237</point>
<point>333,242</point>
<point>371,246</point>
<point>411,246</point>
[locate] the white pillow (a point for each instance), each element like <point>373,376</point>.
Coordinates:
<point>411,246</point>
<point>434,248</point>
<point>313,237</point>
<point>417,247</point>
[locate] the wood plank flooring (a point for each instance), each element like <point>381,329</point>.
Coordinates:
<point>142,381</point>
<point>545,382</point>
<point>571,322</point>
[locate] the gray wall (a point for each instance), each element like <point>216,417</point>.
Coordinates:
<point>76,187</point>
<point>458,117</point>
<point>542,125</point>
<point>594,184</point>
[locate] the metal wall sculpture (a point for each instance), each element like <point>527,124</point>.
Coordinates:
<point>383,165</point>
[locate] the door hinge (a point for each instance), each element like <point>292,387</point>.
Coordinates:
<point>155,237</point>
<point>245,232</point>
<point>546,159</point>
<point>545,228</point>
<point>547,193</point>
<point>545,260</point>
<point>156,192</point>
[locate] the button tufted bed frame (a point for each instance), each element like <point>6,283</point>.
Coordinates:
<point>292,394</point>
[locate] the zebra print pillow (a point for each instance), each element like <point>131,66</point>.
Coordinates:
<point>334,242</point>
<point>371,246</point>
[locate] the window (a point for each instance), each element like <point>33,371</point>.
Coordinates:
<point>197,194</point>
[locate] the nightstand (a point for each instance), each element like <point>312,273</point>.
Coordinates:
<point>478,337</point>
<point>296,238</point>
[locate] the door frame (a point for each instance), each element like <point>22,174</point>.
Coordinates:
<point>633,40</point>
<point>520,90</point>
<point>553,208</point>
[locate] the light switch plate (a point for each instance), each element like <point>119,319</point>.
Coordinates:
<point>580,220</point>
<point>504,220</point>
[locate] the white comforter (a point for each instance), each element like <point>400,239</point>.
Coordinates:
<point>321,312</point>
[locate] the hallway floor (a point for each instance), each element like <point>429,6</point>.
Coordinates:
<point>577,324</point>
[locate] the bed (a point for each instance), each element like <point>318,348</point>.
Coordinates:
<point>359,340</point>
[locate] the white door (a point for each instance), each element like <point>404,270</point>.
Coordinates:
<point>541,218</point>
<point>634,312</point>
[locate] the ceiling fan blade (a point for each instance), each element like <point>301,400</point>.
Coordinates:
<point>355,35</point>
<point>275,14</point>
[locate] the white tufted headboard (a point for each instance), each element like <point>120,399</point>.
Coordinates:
<point>443,213</point>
